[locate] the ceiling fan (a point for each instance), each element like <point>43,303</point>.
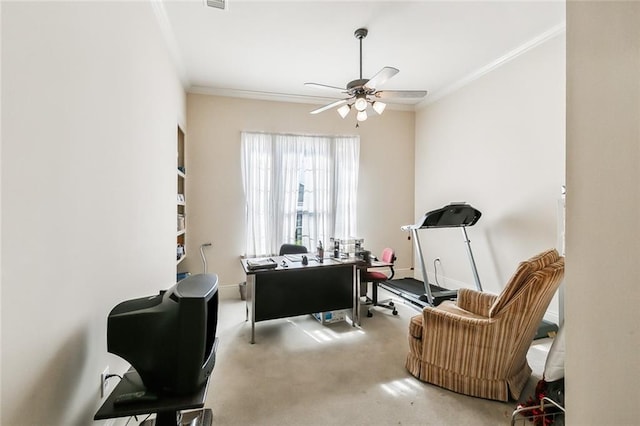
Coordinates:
<point>363,92</point>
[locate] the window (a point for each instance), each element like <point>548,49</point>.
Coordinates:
<point>298,189</point>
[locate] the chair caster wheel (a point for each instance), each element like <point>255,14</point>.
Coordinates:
<point>391,304</point>
<point>394,312</point>
<point>369,314</point>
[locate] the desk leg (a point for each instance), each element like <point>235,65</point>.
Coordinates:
<point>251,304</point>
<point>356,296</point>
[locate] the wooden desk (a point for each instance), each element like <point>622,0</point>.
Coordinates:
<point>166,408</point>
<point>294,289</point>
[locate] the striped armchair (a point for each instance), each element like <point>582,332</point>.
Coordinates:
<point>478,345</point>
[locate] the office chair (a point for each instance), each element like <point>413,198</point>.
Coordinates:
<point>292,249</point>
<point>377,277</point>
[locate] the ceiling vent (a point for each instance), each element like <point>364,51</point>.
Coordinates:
<point>218,4</point>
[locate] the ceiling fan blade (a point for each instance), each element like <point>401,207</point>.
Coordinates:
<point>329,106</point>
<point>383,75</point>
<point>325,87</point>
<point>405,94</point>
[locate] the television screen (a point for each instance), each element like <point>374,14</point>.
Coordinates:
<point>169,338</point>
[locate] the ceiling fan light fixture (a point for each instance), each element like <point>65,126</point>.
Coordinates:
<point>362,115</point>
<point>344,110</point>
<point>361,104</point>
<point>379,107</point>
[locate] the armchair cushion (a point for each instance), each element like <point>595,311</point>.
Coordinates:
<point>470,304</point>
<point>475,301</point>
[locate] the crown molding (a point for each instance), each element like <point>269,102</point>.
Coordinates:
<point>170,39</point>
<point>256,94</point>
<point>542,38</point>
<point>278,97</point>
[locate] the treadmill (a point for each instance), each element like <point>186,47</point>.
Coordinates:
<point>421,294</point>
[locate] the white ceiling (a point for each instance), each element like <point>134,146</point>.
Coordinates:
<point>269,49</point>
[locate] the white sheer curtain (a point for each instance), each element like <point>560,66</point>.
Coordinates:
<point>257,171</point>
<point>276,166</point>
<point>289,156</point>
<point>346,160</point>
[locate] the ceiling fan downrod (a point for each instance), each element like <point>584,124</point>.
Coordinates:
<point>361,33</point>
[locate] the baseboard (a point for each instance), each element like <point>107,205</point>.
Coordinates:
<point>403,273</point>
<point>229,291</point>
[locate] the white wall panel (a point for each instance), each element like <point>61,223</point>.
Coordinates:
<point>498,144</point>
<point>90,105</point>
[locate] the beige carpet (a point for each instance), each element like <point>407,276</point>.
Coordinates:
<point>300,372</point>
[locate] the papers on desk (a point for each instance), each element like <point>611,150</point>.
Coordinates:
<point>296,257</point>
<point>255,264</point>
<point>310,257</point>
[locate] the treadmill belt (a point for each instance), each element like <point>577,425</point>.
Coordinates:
<point>412,290</point>
<point>413,286</point>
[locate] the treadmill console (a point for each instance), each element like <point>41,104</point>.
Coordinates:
<point>450,216</point>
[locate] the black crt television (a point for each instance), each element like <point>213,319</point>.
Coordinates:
<point>170,338</point>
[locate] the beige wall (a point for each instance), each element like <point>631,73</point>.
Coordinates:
<point>497,144</point>
<point>90,104</point>
<point>215,197</point>
<point>603,201</point>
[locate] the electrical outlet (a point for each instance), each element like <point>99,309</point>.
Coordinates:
<point>104,384</point>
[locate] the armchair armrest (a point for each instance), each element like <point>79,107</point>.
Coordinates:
<point>475,301</point>
<point>456,340</point>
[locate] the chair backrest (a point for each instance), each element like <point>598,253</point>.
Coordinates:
<point>522,313</point>
<point>292,249</point>
<point>525,270</point>
<point>388,255</point>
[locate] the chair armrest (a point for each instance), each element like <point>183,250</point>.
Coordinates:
<point>453,314</point>
<point>376,264</point>
<point>475,301</point>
